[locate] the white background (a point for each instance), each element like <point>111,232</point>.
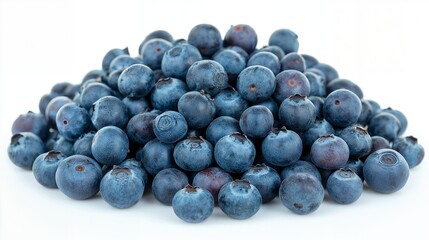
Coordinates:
<point>381,45</point>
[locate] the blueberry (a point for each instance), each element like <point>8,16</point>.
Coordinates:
<point>375,106</point>
<point>166,183</point>
<point>112,80</point>
<point>121,62</point>
<point>121,187</point>
<point>241,35</point>
<point>45,166</point>
<point>282,147</point>
<point>356,165</point>
<point>265,59</point>
<point>212,179</point>
<point>329,152</point>
<point>24,148</point>
<point>140,127</point>
<point>293,61</point>
<point>178,59</point>
<point>344,186</point>
<point>232,62</point>
<point>110,145</point>
<point>72,121</point>
<point>193,204</point>
<point>137,167</point>
<point>153,51</point>
<point>256,121</point>
<point>52,108</point>
<point>156,156</point>
<point>64,146</point>
<point>44,101</point>
<point>31,122</point>
<point>276,50</point>
<point>193,154</point>
<point>297,113</point>
<point>265,179</point>
<point>318,104</point>
<point>112,54</point>
<point>230,103</point>
<point>256,83</point>
<point>82,146</point>
<point>401,117</point>
<point>239,199</point>
<point>286,39</point>
<point>290,82</point>
<point>207,75</point>
<point>136,81</point>
<point>136,105</point>
<point>240,51</point>
<point>301,193</point>
<point>410,149</point>
<point>300,167</point>
<point>366,113</point>
<point>319,128</point>
<point>78,177</point>
<point>358,140</point>
<point>310,61</point>
<point>386,171</point>
<point>92,92</point>
<point>340,83</point>
<point>329,72</point>
<point>159,34</point>
<point>385,125</point>
<point>317,86</point>
<point>167,92</point>
<point>342,108</point>
<point>234,153</point>
<point>109,111</point>
<point>98,74</point>
<point>206,38</point>
<point>220,127</point>
<point>271,104</point>
<point>198,109</point>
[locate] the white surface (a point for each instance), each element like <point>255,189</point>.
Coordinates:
<point>381,45</point>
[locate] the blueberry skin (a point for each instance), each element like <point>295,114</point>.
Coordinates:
<point>110,145</point>
<point>167,92</point>
<point>286,39</point>
<point>82,146</point>
<point>109,111</point>
<point>121,187</point>
<point>72,121</point>
<point>344,186</point>
<point>92,92</point>
<point>157,34</point>
<point>193,154</point>
<point>385,125</point>
<point>138,169</point>
<point>206,38</point>
<point>140,128</point>
<point>301,193</point>
<point>52,109</point>
<point>207,75</point>
<point>318,104</point>
<point>256,121</point>
<point>97,74</point>
<point>378,143</point>
<point>265,179</point>
<point>178,59</point>
<point>232,62</point>
<point>265,59</point>
<point>44,101</point>
<point>276,50</point>
<point>386,171</point>
<point>310,61</point>
<point>366,113</point>
<point>230,103</point>
<point>78,177</point>
<point>239,199</point>
<point>282,147</point>
<point>290,82</point>
<point>241,35</point>
<point>358,140</point>
<point>166,183</point>
<point>342,108</point>
<point>121,62</point>
<point>31,122</point>
<point>64,146</point>
<point>300,167</point>
<point>297,113</point>
<point>319,128</point>
<point>112,79</point>
<point>329,152</point>
<point>410,149</point>
<point>136,105</point>
<point>329,71</point>
<point>193,204</point>
<point>153,51</point>
<point>401,117</point>
<point>136,81</point>
<point>356,166</point>
<point>234,153</point>
<point>256,83</point>
<point>375,106</point>
<point>156,156</point>
<point>293,61</point>
<point>221,126</point>
<point>340,83</point>
<point>45,166</point>
<point>212,179</point>
<point>24,148</point>
<point>170,126</point>
<point>317,86</point>
<point>197,108</point>
<point>110,55</point>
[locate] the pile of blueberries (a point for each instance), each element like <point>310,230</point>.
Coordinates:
<point>185,118</point>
